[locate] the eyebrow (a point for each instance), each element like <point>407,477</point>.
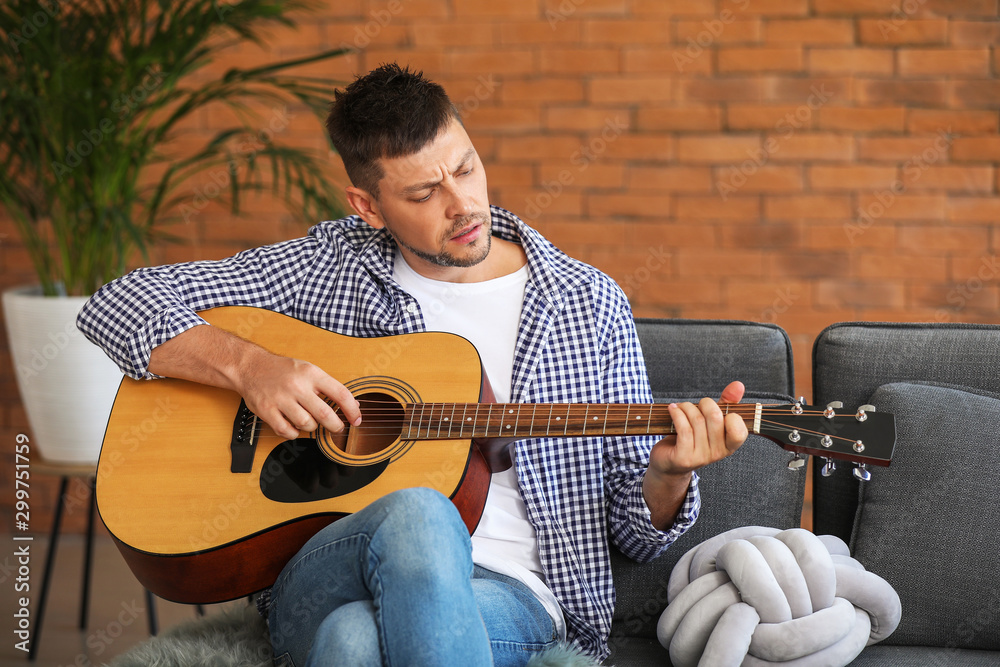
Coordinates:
<point>413,189</point>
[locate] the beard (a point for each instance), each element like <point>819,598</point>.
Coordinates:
<point>445,258</point>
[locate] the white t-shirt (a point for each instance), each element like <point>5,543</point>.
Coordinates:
<point>487,314</point>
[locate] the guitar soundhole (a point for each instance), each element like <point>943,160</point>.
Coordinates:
<point>381,425</point>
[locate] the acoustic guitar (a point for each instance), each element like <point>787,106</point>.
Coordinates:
<point>207,503</point>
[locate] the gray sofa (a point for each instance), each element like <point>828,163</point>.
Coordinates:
<point>927,524</point>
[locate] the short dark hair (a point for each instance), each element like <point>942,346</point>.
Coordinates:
<point>387,113</point>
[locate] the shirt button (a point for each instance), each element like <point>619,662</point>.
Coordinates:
<point>411,308</point>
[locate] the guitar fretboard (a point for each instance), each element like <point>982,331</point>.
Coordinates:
<point>445,421</point>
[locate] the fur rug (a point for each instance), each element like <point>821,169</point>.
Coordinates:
<point>237,637</point>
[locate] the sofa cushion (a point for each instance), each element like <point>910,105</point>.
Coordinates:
<point>751,487</point>
<point>928,523</point>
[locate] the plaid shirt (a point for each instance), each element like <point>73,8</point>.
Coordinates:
<point>576,344</point>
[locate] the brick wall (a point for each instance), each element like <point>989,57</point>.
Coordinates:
<point>801,162</point>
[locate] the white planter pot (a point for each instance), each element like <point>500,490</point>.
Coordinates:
<point>66,382</point>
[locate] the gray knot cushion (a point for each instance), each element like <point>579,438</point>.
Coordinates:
<point>763,596</point>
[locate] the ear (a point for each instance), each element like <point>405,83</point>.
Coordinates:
<point>365,205</point>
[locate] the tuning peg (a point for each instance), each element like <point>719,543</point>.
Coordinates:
<point>836,405</point>
<point>828,468</point>
<point>862,412</point>
<point>796,462</point>
<point>861,472</point>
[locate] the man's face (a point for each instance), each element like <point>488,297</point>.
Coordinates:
<point>435,205</point>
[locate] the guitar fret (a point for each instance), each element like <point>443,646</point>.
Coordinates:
<point>451,421</point>
<point>461,431</point>
<point>628,409</point>
<point>566,427</point>
<point>586,410</point>
<point>440,419</point>
<point>534,406</point>
<point>649,420</point>
<point>517,418</point>
<point>607,410</point>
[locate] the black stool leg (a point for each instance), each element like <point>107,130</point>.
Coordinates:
<point>49,560</point>
<point>88,556</point>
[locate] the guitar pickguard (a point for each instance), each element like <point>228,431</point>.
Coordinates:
<point>297,471</point>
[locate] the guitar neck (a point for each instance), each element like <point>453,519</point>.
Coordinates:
<point>446,421</point>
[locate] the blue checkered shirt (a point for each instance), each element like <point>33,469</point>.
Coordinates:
<point>576,344</point>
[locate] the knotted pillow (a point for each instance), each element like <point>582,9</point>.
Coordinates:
<point>762,596</point>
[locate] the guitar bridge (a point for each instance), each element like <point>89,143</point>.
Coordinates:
<point>243,444</point>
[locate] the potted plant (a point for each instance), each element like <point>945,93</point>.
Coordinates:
<point>94,94</point>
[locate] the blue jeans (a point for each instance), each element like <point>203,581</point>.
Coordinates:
<point>394,584</point>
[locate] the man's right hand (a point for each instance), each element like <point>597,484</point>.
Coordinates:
<point>288,394</point>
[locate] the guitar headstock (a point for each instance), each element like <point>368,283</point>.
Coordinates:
<point>863,436</point>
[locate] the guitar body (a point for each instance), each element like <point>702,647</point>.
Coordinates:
<point>193,531</point>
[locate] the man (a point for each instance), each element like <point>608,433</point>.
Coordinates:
<point>400,582</point>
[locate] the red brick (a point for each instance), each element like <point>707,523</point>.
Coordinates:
<point>670,59</point>
<point>768,116</point>
<point>894,149</point>
<point>579,61</point>
<point>717,148</point>
<point>498,63</point>
<point>765,237</point>
<point>452,33</point>
<point>814,92</point>
<point>605,90</point>
<point>854,60</point>
<point>952,121</point>
<point>851,7</point>
<point>505,175</point>
<point>809,146</point>
<point>654,234</point>
<point>861,293</point>
<point>778,8</point>
<point>540,33</point>
<point>671,8</point>
<point>730,89</point>
<point>944,62</point>
<point>536,147</point>
<point>809,31</point>
<point>503,120</point>
<point>981,33</point>
<point>749,178</point>
<point>724,29</point>
<point>594,175</point>
<point>508,9</point>
<point>986,8</point>
<point>925,175</point>
<point>878,266</point>
<point>976,149</point>
<point>762,59</point>
<point>542,90</point>
<point>626,32</point>
<point>826,264</point>
<point>633,147</point>
<point>904,206</point>
<point>707,262</point>
<point>974,209</point>
<point>610,8</point>
<point>713,208</point>
<point>601,233</point>
<point>941,240</point>
<point>889,32</point>
<point>806,207</point>
<point>850,177</point>
<point>875,92</point>
<point>862,119</point>
<point>679,118</point>
<point>670,179</point>
<point>983,93</point>
<point>539,204</point>
<point>585,118</point>
<point>957,298</point>
<point>628,205</point>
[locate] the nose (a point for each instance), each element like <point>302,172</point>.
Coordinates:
<point>460,203</point>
